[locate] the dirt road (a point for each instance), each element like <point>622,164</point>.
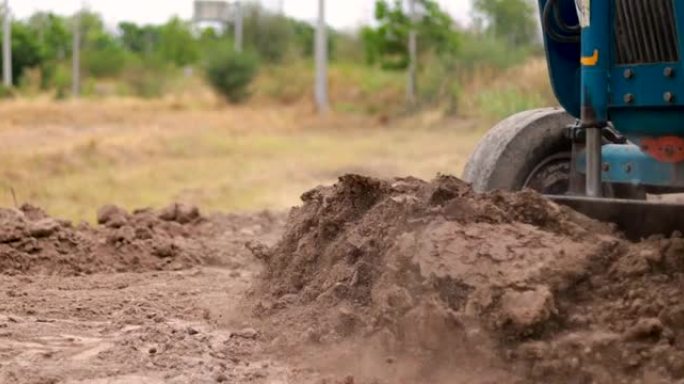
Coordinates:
<point>154,327</point>
<point>139,325</point>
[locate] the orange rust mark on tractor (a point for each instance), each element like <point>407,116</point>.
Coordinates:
<point>666,149</point>
<point>590,61</point>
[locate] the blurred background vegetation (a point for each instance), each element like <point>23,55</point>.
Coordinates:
<point>500,48</point>
<point>171,113</point>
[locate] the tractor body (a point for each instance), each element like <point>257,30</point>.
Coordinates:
<point>616,70</point>
<point>623,72</point>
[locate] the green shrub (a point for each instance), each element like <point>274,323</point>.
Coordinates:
<point>102,63</point>
<point>230,73</point>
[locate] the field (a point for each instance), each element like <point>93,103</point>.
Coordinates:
<point>153,241</point>
<point>186,216</point>
<point>72,157</point>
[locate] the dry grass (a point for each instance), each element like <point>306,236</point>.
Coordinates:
<point>491,95</point>
<point>353,88</point>
<point>71,158</point>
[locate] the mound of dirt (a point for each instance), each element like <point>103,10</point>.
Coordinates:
<point>32,242</point>
<point>507,284</point>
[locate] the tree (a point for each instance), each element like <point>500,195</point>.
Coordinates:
<point>304,36</point>
<point>102,54</point>
<point>268,34</point>
<point>177,44</point>
<point>53,34</point>
<point>26,50</point>
<point>55,38</point>
<point>510,20</point>
<point>139,39</point>
<point>388,42</point>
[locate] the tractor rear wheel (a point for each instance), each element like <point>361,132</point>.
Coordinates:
<point>530,150</point>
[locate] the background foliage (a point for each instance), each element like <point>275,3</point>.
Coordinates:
<point>145,60</point>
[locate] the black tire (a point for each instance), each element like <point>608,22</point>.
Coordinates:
<point>531,150</point>
<point>509,152</point>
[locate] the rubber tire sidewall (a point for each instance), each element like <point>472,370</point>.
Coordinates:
<point>510,151</point>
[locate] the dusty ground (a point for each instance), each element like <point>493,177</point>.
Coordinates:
<point>173,317</point>
<point>368,281</point>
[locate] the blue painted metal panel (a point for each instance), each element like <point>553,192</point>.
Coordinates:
<point>648,111</point>
<point>627,164</point>
<point>648,85</point>
<point>651,121</point>
<point>564,63</point>
<point>596,45</point>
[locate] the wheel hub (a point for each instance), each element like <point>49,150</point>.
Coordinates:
<point>551,176</point>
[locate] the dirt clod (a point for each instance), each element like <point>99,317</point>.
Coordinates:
<point>43,228</point>
<point>32,242</point>
<point>246,333</point>
<point>529,308</point>
<point>112,216</point>
<point>179,212</point>
<point>645,329</point>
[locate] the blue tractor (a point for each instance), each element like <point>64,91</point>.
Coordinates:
<point>616,69</point>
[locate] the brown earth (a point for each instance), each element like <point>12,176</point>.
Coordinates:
<point>408,281</point>
<point>32,242</point>
<point>372,281</point>
<point>145,297</point>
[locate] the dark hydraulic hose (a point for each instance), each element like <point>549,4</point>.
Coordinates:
<point>551,10</point>
<point>564,27</point>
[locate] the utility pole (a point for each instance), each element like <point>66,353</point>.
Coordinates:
<point>281,7</point>
<point>76,57</point>
<point>238,26</point>
<point>7,45</point>
<point>411,89</point>
<point>321,50</point>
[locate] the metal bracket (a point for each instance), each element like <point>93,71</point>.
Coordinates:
<point>576,133</point>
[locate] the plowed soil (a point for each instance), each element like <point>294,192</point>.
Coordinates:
<point>368,281</point>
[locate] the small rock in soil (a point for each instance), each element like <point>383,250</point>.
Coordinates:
<point>43,228</point>
<point>650,328</point>
<point>180,213</point>
<point>112,216</point>
<point>246,333</point>
<point>528,308</point>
